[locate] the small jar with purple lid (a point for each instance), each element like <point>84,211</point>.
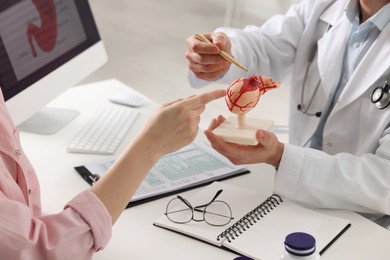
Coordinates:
<point>300,246</point>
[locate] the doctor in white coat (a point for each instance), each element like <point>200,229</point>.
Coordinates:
<point>336,53</point>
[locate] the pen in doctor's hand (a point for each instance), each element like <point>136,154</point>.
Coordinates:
<point>224,54</point>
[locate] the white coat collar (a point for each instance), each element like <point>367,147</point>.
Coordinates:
<point>332,45</point>
<point>335,11</point>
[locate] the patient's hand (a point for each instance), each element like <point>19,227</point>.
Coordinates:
<point>175,124</point>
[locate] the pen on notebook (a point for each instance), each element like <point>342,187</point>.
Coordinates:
<point>224,54</point>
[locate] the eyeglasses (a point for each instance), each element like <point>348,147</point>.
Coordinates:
<point>214,213</point>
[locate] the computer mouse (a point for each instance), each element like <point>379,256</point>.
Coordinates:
<point>128,99</point>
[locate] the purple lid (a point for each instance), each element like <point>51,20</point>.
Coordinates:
<point>300,243</point>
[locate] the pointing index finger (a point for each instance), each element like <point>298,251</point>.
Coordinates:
<point>207,97</point>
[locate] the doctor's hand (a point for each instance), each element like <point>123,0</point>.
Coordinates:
<point>204,59</point>
<point>176,123</point>
<point>269,150</point>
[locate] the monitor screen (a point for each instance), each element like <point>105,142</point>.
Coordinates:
<point>46,46</point>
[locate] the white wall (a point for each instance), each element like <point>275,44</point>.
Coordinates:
<point>255,11</point>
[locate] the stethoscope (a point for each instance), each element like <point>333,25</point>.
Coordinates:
<point>304,109</point>
<point>380,96</point>
<point>301,107</point>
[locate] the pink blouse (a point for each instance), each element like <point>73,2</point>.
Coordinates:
<point>82,228</point>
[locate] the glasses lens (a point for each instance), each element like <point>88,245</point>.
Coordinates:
<point>218,213</point>
<point>178,211</point>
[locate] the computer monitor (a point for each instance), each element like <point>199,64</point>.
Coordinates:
<point>46,46</point>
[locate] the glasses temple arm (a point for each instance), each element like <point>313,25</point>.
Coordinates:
<point>184,201</point>
<point>215,197</point>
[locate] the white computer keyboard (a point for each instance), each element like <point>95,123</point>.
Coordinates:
<point>104,131</point>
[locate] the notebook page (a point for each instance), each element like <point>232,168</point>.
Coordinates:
<point>240,200</point>
<point>264,240</point>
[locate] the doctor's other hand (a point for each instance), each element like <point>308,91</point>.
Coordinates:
<point>175,124</point>
<point>203,58</point>
<point>269,150</point>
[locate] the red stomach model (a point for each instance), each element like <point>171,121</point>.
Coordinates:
<point>244,93</point>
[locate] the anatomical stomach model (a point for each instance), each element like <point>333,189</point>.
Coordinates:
<point>241,97</point>
<point>45,34</point>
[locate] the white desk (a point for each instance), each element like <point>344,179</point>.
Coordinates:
<point>134,236</point>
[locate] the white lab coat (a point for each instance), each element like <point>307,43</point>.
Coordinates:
<point>353,170</point>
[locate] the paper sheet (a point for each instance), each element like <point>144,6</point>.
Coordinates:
<point>192,165</point>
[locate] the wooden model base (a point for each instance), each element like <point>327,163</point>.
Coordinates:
<point>231,133</point>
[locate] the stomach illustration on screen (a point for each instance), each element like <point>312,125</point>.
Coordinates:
<point>38,32</point>
<point>45,35</point>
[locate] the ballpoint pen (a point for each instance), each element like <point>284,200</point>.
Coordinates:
<point>224,54</point>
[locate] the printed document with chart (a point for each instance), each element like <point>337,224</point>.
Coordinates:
<point>192,166</point>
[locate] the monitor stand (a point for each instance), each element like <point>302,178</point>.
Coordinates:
<point>48,120</point>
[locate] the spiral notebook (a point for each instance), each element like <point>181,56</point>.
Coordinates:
<point>260,223</point>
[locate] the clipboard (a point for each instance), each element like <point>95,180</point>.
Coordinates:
<point>191,167</point>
